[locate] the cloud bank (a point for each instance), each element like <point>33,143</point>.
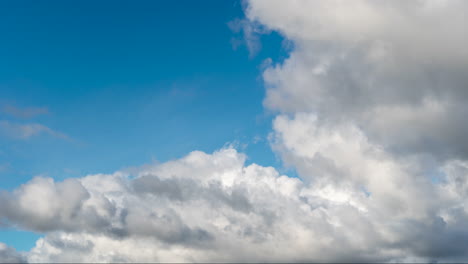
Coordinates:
<point>371,107</point>
<point>213,208</point>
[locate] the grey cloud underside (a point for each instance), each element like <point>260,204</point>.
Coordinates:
<point>179,190</point>
<point>68,206</point>
<point>10,255</point>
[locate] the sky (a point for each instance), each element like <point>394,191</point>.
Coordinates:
<point>122,85</point>
<point>233,131</point>
<point>114,85</point>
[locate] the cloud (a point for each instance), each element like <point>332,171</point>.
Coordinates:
<point>199,208</point>
<point>251,33</point>
<point>26,131</point>
<point>9,255</point>
<point>371,105</point>
<point>25,113</point>
<point>396,69</point>
<point>202,207</point>
<point>214,207</point>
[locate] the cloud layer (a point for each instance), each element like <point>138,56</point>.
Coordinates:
<point>371,107</point>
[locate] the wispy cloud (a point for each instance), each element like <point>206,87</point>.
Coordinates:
<point>26,131</point>
<point>250,35</point>
<point>24,113</point>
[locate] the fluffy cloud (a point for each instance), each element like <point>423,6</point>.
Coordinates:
<point>396,69</point>
<point>202,207</point>
<point>394,195</point>
<point>212,207</point>
<point>372,102</point>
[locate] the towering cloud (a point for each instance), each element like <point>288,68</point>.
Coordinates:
<point>373,99</point>
<point>396,69</point>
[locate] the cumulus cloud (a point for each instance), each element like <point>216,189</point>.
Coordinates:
<point>214,207</point>
<point>199,208</point>
<point>372,101</point>
<point>397,69</point>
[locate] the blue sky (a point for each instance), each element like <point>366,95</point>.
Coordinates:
<point>122,85</point>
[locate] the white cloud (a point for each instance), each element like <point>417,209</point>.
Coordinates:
<point>199,208</point>
<point>212,208</point>
<point>369,61</point>
<point>372,102</point>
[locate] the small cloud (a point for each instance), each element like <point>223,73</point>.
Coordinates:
<point>25,131</point>
<point>236,144</point>
<point>257,139</point>
<point>24,113</point>
<point>250,31</point>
